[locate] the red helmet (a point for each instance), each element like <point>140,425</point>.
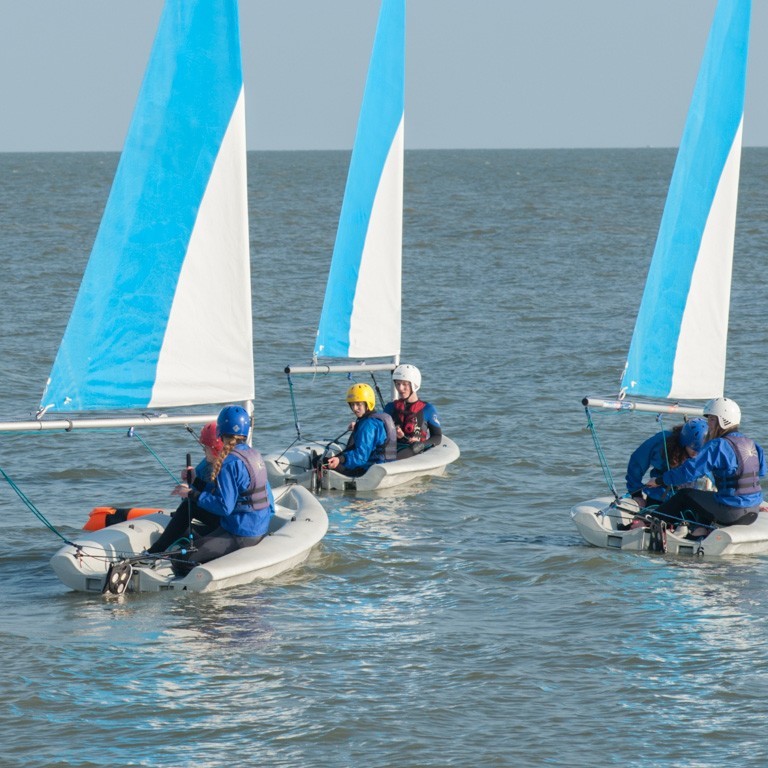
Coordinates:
<point>209,438</point>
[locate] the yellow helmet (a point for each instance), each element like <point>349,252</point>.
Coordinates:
<point>362,393</point>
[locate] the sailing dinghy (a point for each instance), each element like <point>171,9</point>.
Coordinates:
<point>684,309</point>
<point>109,560</point>
<point>359,330</point>
<point>163,315</point>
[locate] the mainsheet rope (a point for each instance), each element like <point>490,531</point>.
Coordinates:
<point>133,433</point>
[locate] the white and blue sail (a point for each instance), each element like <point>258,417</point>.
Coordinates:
<point>678,348</point>
<point>361,310</point>
<point>163,314</point>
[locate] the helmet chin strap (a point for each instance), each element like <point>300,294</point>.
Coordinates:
<point>412,396</point>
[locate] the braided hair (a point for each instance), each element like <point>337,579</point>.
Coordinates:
<point>229,441</point>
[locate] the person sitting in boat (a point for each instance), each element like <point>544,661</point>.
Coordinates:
<point>416,421</point>
<point>373,439</point>
<point>238,494</point>
<point>734,461</point>
<point>205,522</point>
<point>660,452</point>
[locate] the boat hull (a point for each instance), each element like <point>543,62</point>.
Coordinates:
<point>299,523</point>
<point>294,467</point>
<point>597,521</point>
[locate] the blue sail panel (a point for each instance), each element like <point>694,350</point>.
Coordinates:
<point>186,125</point>
<point>679,342</point>
<point>361,309</point>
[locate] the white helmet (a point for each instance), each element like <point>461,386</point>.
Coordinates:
<point>727,412</point>
<point>409,373</point>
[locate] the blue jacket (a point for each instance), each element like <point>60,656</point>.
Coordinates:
<point>648,455</point>
<point>717,457</point>
<point>203,476</point>
<point>232,482</point>
<point>366,444</point>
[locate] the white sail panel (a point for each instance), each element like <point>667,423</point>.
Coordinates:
<point>699,370</point>
<point>374,328</point>
<point>207,351</point>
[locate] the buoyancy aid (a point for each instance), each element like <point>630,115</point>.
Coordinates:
<point>747,478</point>
<point>256,496</point>
<point>202,481</point>
<point>410,419</point>
<point>387,451</point>
<point>101,517</point>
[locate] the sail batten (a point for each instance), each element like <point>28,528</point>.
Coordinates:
<point>678,347</point>
<point>362,306</point>
<point>175,220</point>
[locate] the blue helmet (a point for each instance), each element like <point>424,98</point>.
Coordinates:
<point>233,420</point>
<point>694,434</point>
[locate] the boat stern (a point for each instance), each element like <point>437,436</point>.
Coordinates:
<point>291,467</point>
<point>598,520</point>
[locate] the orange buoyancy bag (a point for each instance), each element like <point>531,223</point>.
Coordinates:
<point>101,517</point>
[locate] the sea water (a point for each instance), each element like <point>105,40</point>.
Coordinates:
<point>455,622</point>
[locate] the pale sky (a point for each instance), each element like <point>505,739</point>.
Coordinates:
<point>479,73</point>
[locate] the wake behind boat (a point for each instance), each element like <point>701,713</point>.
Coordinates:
<point>360,324</point>
<point>678,349</point>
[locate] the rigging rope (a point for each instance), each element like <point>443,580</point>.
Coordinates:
<point>660,419</point>
<point>378,391</point>
<point>670,490</point>
<point>600,454</point>
<point>133,433</point>
<point>33,509</point>
<point>297,424</point>
<point>293,405</point>
<point>80,549</point>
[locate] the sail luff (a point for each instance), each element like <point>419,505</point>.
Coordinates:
<point>361,310</point>
<point>679,343</point>
<point>187,129</point>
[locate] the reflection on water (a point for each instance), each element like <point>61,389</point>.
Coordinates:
<point>459,621</point>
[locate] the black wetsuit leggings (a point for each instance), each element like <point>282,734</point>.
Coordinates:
<point>406,450</point>
<point>211,546</point>
<point>697,506</point>
<point>178,525</point>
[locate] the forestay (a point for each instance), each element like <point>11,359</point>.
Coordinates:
<point>679,344</point>
<point>163,315</point>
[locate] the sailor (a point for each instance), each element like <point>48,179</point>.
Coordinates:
<point>660,452</point>
<point>238,494</point>
<point>415,420</point>
<point>373,439</point>
<point>205,522</point>
<point>734,461</point>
